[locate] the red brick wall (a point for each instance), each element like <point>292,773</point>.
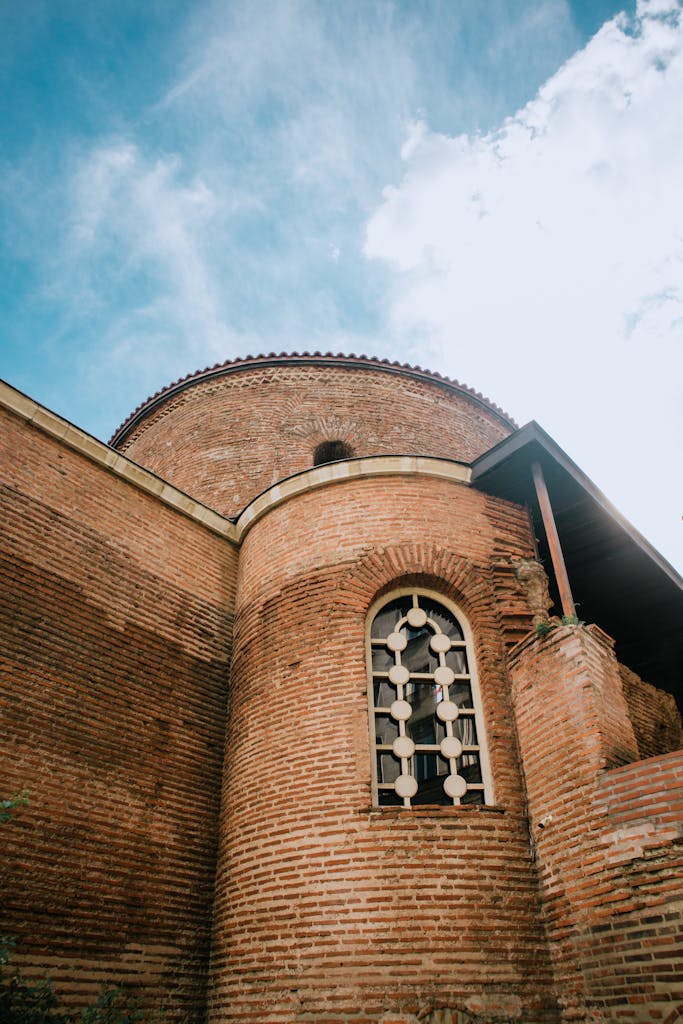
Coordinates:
<point>607,836</point>
<point>655,716</point>
<point>328,910</point>
<point>117,623</point>
<point>227,439</point>
<point>115,620</point>
<point>635,940</point>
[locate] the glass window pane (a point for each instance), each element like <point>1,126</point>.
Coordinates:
<point>388,798</point>
<point>457,660</point>
<point>382,659</point>
<point>430,788</point>
<point>469,767</point>
<point>446,622</point>
<point>385,621</point>
<point>386,729</point>
<point>421,731</point>
<point>431,792</point>
<point>423,697</point>
<point>473,796</point>
<point>429,766</point>
<point>388,767</point>
<point>460,693</point>
<point>418,656</point>
<point>384,693</point>
<point>423,726</point>
<point>424,766</point>
<point>466,731</point>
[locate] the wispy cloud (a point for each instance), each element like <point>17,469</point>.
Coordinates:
<point>214,201</point>
<point>546,258</point>
<point>123,203</point>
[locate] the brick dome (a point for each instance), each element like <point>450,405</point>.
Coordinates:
<point>227,433</point>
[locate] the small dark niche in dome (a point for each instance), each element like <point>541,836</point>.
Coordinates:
<point>332,451</point>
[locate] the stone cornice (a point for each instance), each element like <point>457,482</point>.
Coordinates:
<point>103,455</point>
<point>349,469</point>
<point>333,473</point>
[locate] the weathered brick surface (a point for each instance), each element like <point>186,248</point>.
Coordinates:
<point>227,439</point>
<point>326,909</point>
<point>607,834</point>
<point>655,717</point>
<point>117,620</point>
<point>115,623</point>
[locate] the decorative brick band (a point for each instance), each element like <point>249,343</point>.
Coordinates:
<point>328,359</point>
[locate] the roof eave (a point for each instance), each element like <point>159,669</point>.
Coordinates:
<point>618,579</point>
<point>531,442</point>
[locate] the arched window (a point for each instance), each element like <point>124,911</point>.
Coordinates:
<point>426,729</point>
<point>332,451</point>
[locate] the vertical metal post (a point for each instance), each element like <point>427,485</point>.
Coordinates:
<point>553,539</point>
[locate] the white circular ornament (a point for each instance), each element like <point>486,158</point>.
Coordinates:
<point>403,746</point>
<point>444,676</point>
<point>447,711</point>
<point>397,641</point>
<point>400,710</point>
<point>417,617</point>
<point>454,786</point>
<point>405,785</point>
<point>399,675</point>
<point>440,643</point>
<point>451,746</point>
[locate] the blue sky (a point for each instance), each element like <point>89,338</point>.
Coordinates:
<point>491,190</point>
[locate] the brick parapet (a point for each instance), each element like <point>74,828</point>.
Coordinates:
<point>329,359</point>
<point>606,834</point>
<point>655,716</point>
<point>642,804</point>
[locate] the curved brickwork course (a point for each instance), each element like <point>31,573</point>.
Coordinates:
<point>327,909</point>
<point>227,437</point>
<point>185,697</point>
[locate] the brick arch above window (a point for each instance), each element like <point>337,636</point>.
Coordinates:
<point>385,568</point>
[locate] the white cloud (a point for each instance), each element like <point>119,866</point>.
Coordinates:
<point>545,260</point>
<point>143,213</point>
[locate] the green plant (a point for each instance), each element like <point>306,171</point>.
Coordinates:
<point>116,1006</point>
<point>7,945</point>
<point>10,805</point>
<point>7,809</point>
<point>572,620</point>
<point>24,1003</point>
<point>543,627</point>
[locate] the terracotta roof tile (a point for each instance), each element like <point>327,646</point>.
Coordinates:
<point>234,365</point>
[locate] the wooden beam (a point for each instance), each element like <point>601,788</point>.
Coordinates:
<point>568,608</point>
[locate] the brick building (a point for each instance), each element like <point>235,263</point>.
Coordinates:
<point>305,735</point>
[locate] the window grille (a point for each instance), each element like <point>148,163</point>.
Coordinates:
<point>425,721</point>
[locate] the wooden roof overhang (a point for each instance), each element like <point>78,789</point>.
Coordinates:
<point>618,580</point>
